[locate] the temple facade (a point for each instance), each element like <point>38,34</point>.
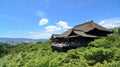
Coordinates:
<point>79,35</point>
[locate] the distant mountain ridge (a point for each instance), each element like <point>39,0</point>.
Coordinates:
<point>21,40</point>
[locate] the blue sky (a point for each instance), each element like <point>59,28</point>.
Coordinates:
<point>38,19</point>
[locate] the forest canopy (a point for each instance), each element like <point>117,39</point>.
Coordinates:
<point>103,52</point>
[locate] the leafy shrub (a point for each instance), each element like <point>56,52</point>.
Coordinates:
<point>111,41</point>
<point>4,49</point>
<point>116,31</point>
<point>108,64</point>
<point>95,55</point>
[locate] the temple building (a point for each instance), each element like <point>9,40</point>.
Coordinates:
<point>79,35</point>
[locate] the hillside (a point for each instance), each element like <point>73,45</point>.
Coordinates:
<point>102,52</point>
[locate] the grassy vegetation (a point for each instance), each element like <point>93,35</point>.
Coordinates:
<point>104,52</point>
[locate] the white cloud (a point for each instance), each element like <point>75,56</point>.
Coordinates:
<point>59,27</point>
<point>43,21</point>
<point>110,23</point>
<point>52,28</point>
<point>63,24</point>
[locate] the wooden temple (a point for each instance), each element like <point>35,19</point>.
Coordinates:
<point>79,35</point>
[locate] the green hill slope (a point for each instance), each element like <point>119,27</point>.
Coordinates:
<point>104,52</point>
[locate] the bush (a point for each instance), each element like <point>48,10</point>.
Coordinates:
<point>4,49</point>
<point>107,42</point>
<point>95,55</point>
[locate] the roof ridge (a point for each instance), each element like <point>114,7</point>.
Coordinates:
<point>84,23</point>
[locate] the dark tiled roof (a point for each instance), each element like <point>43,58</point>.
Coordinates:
<point>80,30</point>
<point>86,27</point>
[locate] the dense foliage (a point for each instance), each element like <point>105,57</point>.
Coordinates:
<point>103,52</point>
<point>116,31</point>
<point>4,49</point>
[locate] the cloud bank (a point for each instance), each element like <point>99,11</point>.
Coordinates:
<point>110,23</point>
<point>52,28</point>
<point>60,25</point>
<point>63,24</point>
<point>43,21</point>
